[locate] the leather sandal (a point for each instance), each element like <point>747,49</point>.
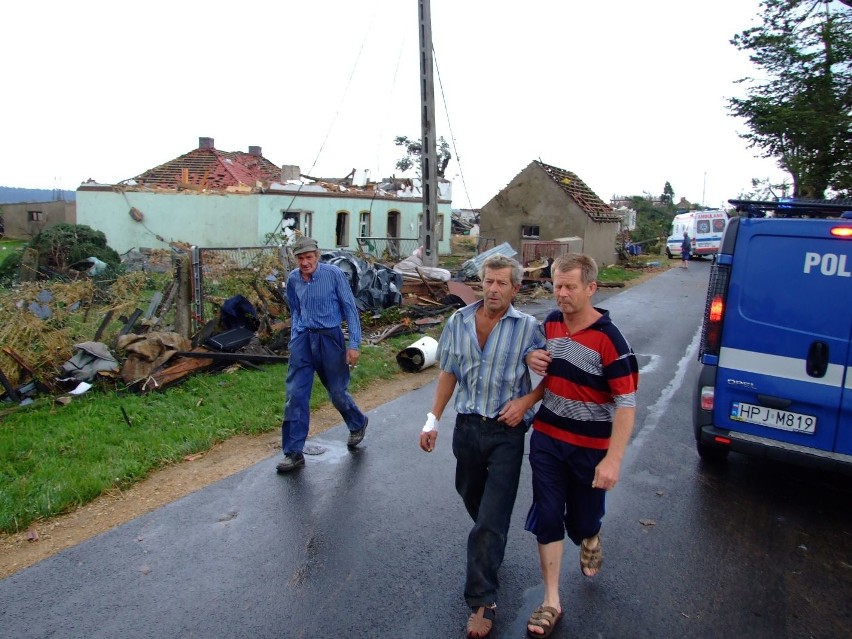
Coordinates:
<point>545,618</point>
<point>591,558</point>
<point>481,621</point>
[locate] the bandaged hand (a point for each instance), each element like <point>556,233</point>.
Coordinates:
<point>429,434</point>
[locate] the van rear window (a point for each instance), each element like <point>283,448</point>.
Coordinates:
<point>776,291</point>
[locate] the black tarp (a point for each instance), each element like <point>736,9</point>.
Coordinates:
<point>375,286</point>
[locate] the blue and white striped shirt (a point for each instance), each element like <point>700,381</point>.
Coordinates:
<point>324,301</point>
<point>488,378</point>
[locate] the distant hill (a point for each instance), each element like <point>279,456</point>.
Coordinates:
<point>13,195</point>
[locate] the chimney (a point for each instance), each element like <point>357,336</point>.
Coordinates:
<point>290,172</point>
<point>205,143</point>
<point>255,151</point>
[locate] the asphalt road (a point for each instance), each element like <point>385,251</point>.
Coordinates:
<point>372,543</point>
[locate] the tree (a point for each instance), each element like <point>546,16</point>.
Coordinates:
<point>801,113</point>
<point>413,149</point>
<point>652,223</point>
<point>64,244</point>
<point>668,192</point>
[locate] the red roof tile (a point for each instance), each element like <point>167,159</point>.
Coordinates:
<point>585,198</point>
<point>211,169</point>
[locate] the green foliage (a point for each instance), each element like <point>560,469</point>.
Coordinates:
<point>668,194</point>
<point>63,245</point>
<point>9,268</point>
<point>801,113</point>
<point>616,273</point>
<point>413,149</point>
<point>652,223</point>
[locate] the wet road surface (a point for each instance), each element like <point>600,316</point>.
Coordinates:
<point>372,543</point>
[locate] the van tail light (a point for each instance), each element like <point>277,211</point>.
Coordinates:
<point>707,396</point>
<point>844,232</point>
<point>717,307</point>
<point>714,310</point>
<point>722,440</point>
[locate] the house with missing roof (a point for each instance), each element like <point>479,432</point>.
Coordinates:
<point>228,199</point>
<point>546,204</point>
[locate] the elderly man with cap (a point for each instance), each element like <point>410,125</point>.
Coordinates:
<point>320,298</point>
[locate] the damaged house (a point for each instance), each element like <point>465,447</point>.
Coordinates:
<point>546,203</point>
<point>227,199</point>
<point>25,220</point>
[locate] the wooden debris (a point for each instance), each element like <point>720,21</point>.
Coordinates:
<point>107,319</point>
<point>156,298</point>
<point>20,361</point>
<point>424,280</point>
<point>184,367</point>
<point>234,357</point>
<point>390,331</point>
<point>128,325</point>
<point>10,389</point>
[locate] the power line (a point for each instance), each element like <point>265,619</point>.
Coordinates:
<point>333,119</point>
<point>450,126</point>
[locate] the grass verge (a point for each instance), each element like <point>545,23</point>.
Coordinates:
<point>55,458</point>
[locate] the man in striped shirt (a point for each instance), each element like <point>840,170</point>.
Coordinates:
<point>581,429</point>
<point>482,350</point>
<point>320,298</point>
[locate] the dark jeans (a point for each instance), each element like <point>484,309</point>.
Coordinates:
<point>563,498</point>
<point>323,352</point>
<point>488,465</point>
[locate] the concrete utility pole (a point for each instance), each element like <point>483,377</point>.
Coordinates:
<point>428,155</point>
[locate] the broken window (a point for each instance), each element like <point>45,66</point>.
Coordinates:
<point>530,231</point>
<point>290,219</point>
<point>393,224</point>
<point>297,220</point>
<point>341,230</point>
<point>364,224</point>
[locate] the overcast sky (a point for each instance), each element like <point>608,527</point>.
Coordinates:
<point>627,95</point>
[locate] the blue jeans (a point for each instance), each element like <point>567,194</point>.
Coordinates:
<point>488,455</point>
<point>322,352</point>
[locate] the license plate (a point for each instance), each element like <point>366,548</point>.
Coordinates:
<point>773,418</point>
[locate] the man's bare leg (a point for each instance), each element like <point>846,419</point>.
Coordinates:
<point>550,556</point>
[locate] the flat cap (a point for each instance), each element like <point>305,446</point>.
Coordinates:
<point>305,245</point>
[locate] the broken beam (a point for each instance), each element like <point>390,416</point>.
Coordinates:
<point>235,357</point>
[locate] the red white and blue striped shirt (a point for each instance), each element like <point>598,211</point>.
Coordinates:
<point>593,372</point>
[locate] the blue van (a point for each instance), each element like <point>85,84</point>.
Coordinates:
<point>776,376</point>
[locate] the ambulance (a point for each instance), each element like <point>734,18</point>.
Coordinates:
<point>705,230</point>
<point>776,341</point>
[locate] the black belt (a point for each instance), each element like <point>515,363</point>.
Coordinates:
<point>323,330</point>
<point>478,417</point>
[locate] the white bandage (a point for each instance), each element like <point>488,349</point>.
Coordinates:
<point>431,423</point>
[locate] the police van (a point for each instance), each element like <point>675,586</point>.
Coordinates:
<point>705,229</point>
<point>776,376</point>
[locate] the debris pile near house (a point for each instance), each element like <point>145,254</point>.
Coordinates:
<point>63,337</point>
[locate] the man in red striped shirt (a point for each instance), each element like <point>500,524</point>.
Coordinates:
<point>581,429</point>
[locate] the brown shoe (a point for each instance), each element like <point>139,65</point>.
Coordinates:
<point>292,461</point>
